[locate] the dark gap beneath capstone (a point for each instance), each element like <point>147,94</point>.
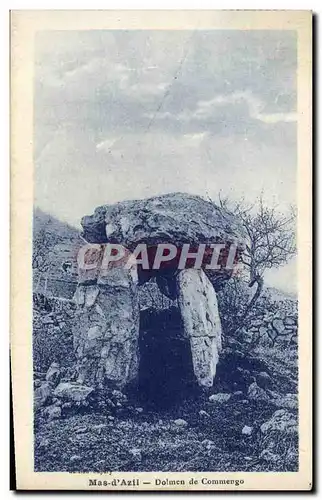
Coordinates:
<point>166,374</point>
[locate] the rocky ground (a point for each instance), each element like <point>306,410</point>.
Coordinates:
<point>248,422</point>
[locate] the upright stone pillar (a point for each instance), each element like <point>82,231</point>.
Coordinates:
<point>199,311</point>
<point>106,328</point>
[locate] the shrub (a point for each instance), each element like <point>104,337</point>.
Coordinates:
<point>52,334</point>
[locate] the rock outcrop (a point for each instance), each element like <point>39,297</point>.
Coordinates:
<point>106,329</point>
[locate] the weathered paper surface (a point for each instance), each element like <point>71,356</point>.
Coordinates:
<point>132,380</point>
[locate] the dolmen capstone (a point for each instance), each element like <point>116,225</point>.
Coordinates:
<point>106,329</point>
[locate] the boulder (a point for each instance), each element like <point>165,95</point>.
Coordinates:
<point>53,374</point>
<point>42,394</point>
<point>52,412</point>
<point>283,421</point>
<point>280,439</point>
<point>289,401</point>
<point>171,218</point>
<point>180,422</point>
<point>264,380</point>
<point>257,393</point>
<point>219,398</point>
<point>246,430</point>
<point>278,324</point>
<point>269,456</point>
<point>73,391</point>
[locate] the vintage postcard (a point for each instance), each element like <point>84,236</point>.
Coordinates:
<point>161,304</point>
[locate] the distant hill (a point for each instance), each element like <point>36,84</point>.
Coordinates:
<point>55,248</point>
<point>43,221</point>
<point>278,295</point>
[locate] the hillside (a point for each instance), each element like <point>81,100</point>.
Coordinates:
<point>55,248</point>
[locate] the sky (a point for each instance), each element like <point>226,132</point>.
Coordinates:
<point>130,114</point>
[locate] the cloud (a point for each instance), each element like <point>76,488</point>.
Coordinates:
<point>107,144</point>
<point>145,91</point>
<point>254,105</point>
<point>277,117</point>
<point>238,112</point>
<point>126,114</point>
<point>129,114</point>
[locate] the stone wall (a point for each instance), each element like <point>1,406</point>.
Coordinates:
<point>277,324</point>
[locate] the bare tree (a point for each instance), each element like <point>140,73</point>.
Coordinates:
<point>270,241</point>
